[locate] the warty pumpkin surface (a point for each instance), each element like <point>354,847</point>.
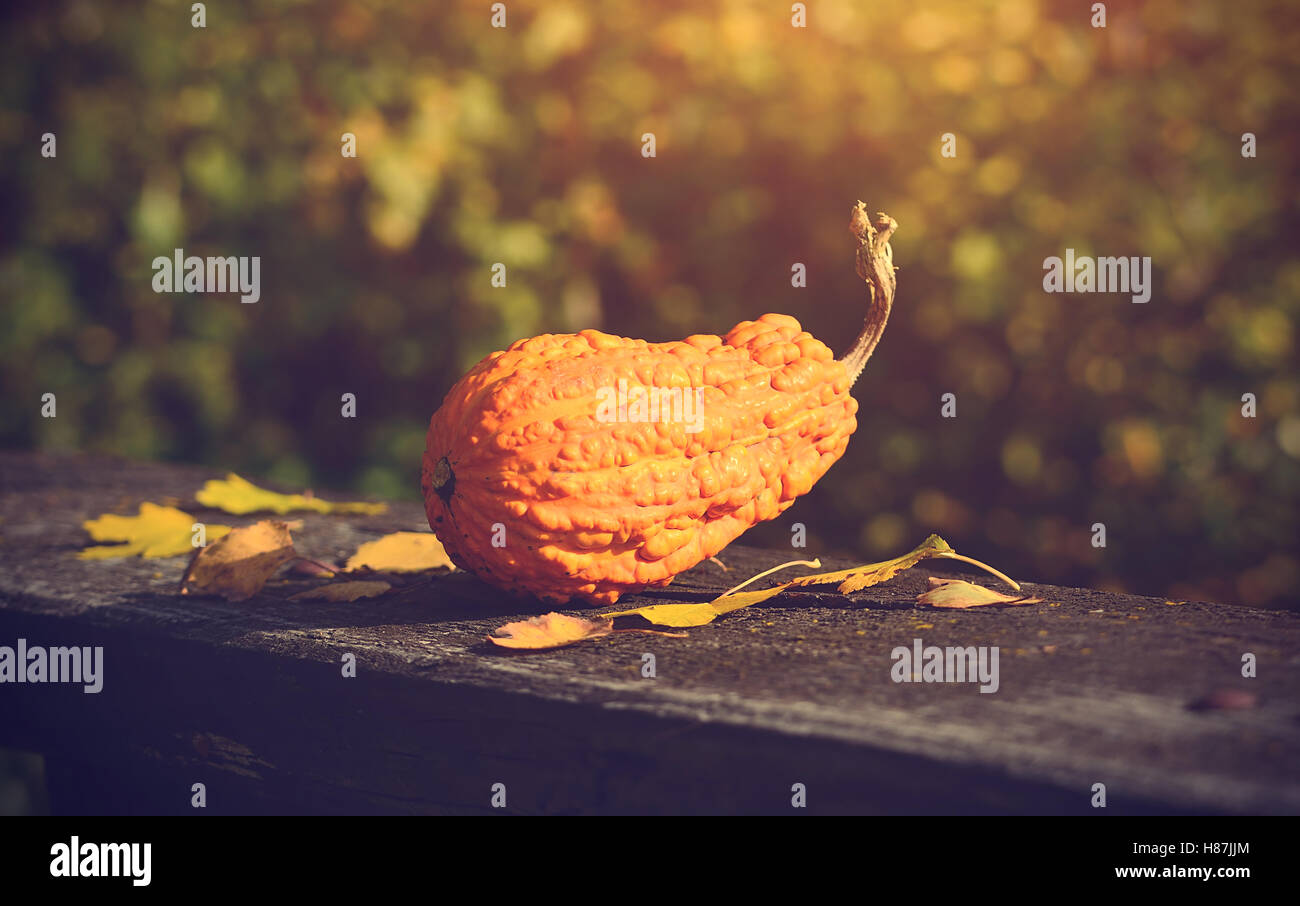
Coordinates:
<point>533,488</point>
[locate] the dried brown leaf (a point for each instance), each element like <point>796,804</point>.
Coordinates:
<point>237,565</point>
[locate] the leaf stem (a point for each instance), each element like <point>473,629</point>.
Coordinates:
<point>983,566</point>
<point>815,564</point>
<point>331,571</point>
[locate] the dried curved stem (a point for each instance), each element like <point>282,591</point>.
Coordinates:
<point>876,266</point>
<point>953,555</point>
<point>815,564</point>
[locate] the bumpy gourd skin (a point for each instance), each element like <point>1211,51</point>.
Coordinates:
<point>592,510</point>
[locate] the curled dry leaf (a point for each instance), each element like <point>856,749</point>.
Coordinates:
<point>157,531</point>
<point>237,566</point>
<point>401,552</point>
<point>342,591</point>
<point>551,630</point>
<point>236,495</point>
<point>957,593</point>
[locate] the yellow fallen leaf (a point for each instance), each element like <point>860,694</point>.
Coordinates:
<point>678,615</point>
<point>238,496</point>
<point>401,552</point>
<point>957,593</point>
<point>158,531</point>
<point>238,565</point>
<point>551,630</point>
<point>860,577</point>
<point>342,591</point>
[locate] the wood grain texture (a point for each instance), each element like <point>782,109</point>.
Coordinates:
<point>248,698</point>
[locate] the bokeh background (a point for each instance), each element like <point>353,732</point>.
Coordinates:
<point>523,146</point>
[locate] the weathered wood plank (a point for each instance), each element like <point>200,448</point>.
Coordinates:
<point>248,697</point>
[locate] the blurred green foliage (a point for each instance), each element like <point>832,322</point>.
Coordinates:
<point>522,146</point>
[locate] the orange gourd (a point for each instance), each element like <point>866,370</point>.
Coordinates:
<point>584,466</point>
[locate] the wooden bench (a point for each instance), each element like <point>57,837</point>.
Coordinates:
<point>250,700</point>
